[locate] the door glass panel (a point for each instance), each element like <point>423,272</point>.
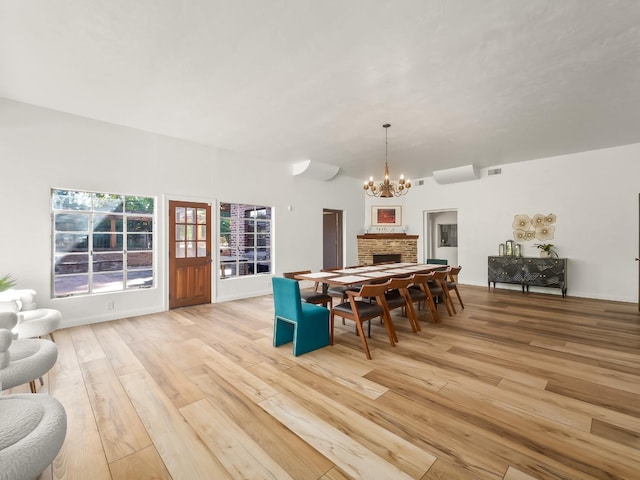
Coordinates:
<point>180,214</point>
<point>191,215</point>
<point>180,232</point>
<point>202,249</point>
<point>202,232</point>
<point>191,249</point>
<point>202,216</point>
<point>180,250</point>
<point>191,232</point>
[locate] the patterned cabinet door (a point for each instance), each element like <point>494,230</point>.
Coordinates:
<point>545,272</point>
<point>505,269</point>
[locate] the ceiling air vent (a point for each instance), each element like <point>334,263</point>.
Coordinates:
<point>494,171</point>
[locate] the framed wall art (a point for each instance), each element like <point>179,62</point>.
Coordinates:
<point>391,215</point>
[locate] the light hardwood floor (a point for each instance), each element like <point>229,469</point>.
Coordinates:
<point>513,387</point>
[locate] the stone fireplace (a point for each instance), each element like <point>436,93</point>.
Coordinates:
<point>379,244</point>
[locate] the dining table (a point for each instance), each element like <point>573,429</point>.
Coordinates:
<point>367,273</point>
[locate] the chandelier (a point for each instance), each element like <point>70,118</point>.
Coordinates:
<point>386,188</point>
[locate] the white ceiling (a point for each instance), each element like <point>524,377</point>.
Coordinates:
<point>461,81</point>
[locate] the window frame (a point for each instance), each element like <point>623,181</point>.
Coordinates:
<point>130,235</point>
<point>250,233</point>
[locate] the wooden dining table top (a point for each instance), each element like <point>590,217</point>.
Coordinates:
<point>369,273</point>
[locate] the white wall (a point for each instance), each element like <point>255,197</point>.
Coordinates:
<point>41,149</point>
<point>594,195</point>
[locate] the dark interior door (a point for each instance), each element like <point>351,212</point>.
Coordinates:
<point>189,253</point>
<point>332,238</point>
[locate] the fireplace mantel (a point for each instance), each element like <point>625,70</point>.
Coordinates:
<point>383,236</point>
<point>371,244</point>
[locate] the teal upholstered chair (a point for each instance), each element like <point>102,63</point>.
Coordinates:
<point>305,324</point>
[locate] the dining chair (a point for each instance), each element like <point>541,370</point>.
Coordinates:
<point>440,285</point>
<point>361,311</point>
<point>304,324</point>
<point>314,297</point>
<point>398,296</point>
<point>451,282</point>
<point>424,289</point>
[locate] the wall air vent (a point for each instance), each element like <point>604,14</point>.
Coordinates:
<point>494,171</point>
<point>420,182</point>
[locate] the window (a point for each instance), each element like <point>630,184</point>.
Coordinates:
<point>102,242</point>
<point>245,240</point>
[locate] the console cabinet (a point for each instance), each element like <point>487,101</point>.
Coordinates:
<point>529,271</point>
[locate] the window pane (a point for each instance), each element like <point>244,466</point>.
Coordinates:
<point>139,224</point>
<point>103,242</point>
<point>191,249</point>
<point>72,263</point>
<point>139,241</point>
<point>202,232</point>
<point>70,200</point>
<point>263,226</point>
<point>139,259</point>
<point>108,282</point>
<point>181,215</point>
<point>181,232</point>
<point>107,262</point>
<point>191,215</point>
<point>249,226</point>
<point>139,204</point>
<point>202,216</point>
<point>104,202</point>
<point>202,249</point>
<point>263,212</point>
<point>71,222</point>
<point>71,242</point>
<point>140,278</point>
<point>180,250</point>
<point>107,223</point>
<point>191,232</point>
<point>71,284</point>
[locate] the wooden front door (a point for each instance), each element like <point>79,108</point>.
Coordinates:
<point>189,253</point>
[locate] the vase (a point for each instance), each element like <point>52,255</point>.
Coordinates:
<point>544,254</point>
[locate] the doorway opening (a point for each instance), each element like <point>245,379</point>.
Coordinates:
<point>332,243</point>
<point>441,235</point>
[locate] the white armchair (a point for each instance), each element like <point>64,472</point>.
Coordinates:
<point>33,431</point>
<point>32,321</point>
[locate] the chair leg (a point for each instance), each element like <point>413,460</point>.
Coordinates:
<point>32,385</point>
<point>53,339</point>
<point>458,295</point>
<point>365,345</point>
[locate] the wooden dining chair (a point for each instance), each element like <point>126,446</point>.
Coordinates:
<point>439,285</point>
<point>451,282</point>
<point>314,297</point>
<point>361,311</point>
<point>398,296</point>
<point>421,291</point>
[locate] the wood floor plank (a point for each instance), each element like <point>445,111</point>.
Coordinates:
<point>234,449</point>
<point>120,356</point>
<point>355,460</point>
<point>120,428</point>
<point>179,446</point>
<point>273,437</point>
<point>145,464</point>
<point>169,377</point>
<point>86,344</point>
